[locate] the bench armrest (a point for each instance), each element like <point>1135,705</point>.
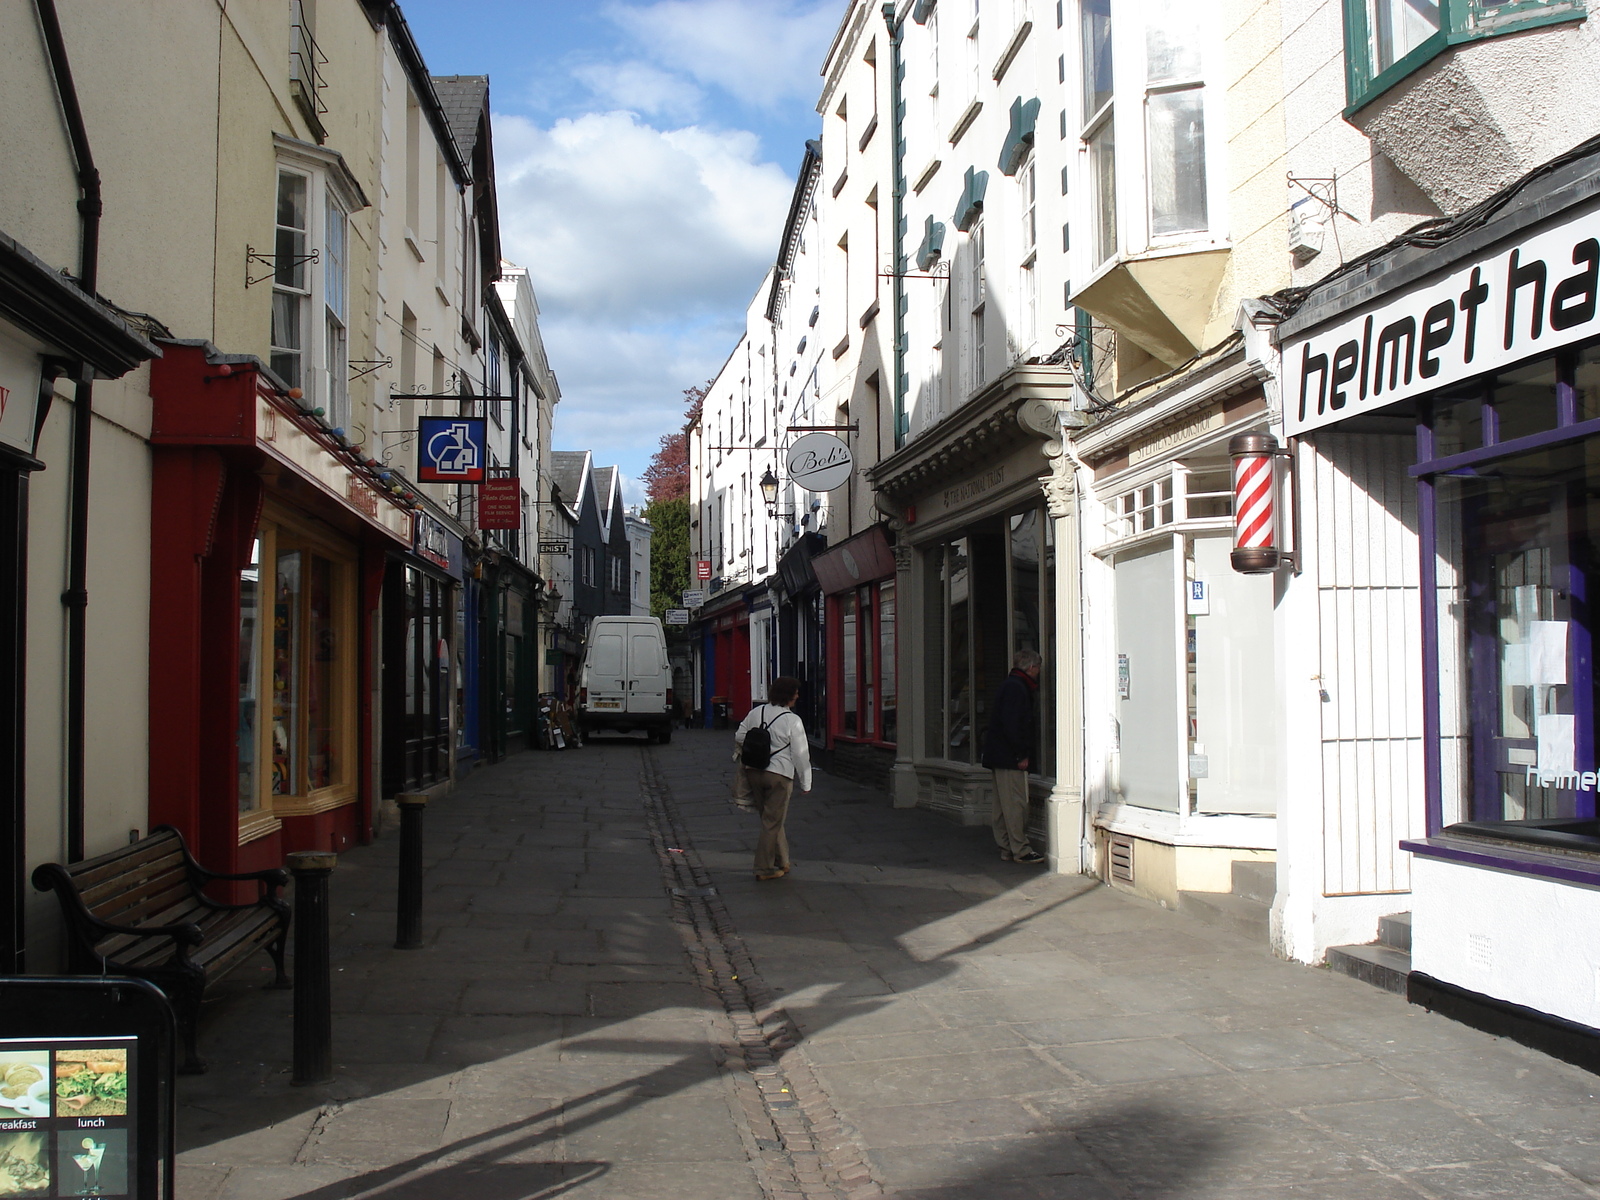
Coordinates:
<point>53,877</point>
<point>272,879</point>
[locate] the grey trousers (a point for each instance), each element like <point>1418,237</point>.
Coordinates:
<point>1010,820</point>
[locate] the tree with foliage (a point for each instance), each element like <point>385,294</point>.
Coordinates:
<point>667,476</point>
<point>669,552</point>
<point>666,482</point>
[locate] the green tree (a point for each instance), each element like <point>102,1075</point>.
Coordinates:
<point>669,553</point>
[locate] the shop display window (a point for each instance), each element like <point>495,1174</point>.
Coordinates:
<point>249,680</point>
<point>866,657</point>
<point>986,595</point>
<point>297,695</point>
<point>1511,551</point>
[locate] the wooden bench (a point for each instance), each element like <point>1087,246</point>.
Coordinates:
<point>140,911</point>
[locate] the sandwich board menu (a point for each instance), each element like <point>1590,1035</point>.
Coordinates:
<point>84,1113</point>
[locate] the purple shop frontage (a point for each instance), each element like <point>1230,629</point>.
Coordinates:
<point>1475,353</point>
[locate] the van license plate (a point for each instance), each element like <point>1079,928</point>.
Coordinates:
<point>605,704</point>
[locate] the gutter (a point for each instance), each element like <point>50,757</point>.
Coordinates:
<point>76,597</point>
<point>897,151</point>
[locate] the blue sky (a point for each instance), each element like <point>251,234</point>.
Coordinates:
<point>644,155</point>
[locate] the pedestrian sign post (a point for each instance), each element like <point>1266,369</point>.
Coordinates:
<point>694,597</point>
<point>677,616</point>
<point>452,449</point>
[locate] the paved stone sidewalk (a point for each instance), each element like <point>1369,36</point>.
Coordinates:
<point>971,1028</point>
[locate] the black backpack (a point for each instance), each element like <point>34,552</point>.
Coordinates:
<point>757,751</point>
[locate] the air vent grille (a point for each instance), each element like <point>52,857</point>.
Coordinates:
<point>1121,849</point>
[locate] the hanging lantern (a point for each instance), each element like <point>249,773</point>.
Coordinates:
<point>1255,495</point>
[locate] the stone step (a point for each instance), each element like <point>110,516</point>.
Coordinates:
<point>1395,931</point>
<point>1381,966</point>
<point>1250,917</point>
<point>1256,881</point>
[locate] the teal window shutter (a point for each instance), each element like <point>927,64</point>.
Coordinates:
<point>922,10</point>
<point>1019,140</point>
<point>970,207</point>
<point>932,245</point>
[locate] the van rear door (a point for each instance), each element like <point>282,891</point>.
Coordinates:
<point>607,677</point>
<point>647,669</point>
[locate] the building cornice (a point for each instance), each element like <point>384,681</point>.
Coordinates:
<point>1020,407</point>
<point>1229,375</point>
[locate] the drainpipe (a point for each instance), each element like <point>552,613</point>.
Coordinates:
<point>897,149</point>
<point>76,597</point>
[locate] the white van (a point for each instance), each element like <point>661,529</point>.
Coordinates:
<point>626,683</point>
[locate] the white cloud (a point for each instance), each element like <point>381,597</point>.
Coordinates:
<point>622,388</point>
<point>615,217</point>
<point>761,52</point>
<point>642,88</point>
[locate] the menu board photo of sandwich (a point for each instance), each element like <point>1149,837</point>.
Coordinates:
<point>91,1083</point>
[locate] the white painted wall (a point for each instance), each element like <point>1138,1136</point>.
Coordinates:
<point>1514,937</point>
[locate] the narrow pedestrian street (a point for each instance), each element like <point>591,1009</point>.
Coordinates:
<point>608,1005</point>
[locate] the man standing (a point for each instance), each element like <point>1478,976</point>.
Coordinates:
<point>784,760</point>
<point>1008,752</point>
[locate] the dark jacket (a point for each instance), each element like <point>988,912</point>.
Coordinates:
<point>1009,738</point>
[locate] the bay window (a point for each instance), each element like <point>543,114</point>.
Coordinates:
<point>291,288</point>
<point>310,322</point>
<point>1386,40</point>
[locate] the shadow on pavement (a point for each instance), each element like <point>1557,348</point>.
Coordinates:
<point>843,946</point>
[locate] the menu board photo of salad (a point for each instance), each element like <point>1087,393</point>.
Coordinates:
<point>65,1117</point>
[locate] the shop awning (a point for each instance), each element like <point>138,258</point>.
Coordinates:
<point>204,398</point>
<point>795,569</point>
<point>858,560</point>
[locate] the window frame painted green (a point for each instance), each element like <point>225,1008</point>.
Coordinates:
<point>1460,22</point>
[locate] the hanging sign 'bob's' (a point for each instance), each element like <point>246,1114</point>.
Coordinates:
<point>819,462</point>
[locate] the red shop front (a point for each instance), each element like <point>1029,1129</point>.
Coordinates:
<point>267,566</point>
<point>858,578</point>
<point>730,660</point>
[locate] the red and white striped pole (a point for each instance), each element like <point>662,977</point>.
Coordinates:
<point>1255,501</point>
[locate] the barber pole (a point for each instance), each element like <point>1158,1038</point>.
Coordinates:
<point>1255,542</point>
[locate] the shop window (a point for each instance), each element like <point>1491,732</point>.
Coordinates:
<point>958,639</point>
<point>1142,509</point>
<point>1516,555</point>
<point>887,689</point>
<point>1189,491</point>
<point>249,681</point>
<point>297,671</point>
<point>1386,40</point>
<point>849,668</point>
<point>987,595</point>
<point>866,680</point>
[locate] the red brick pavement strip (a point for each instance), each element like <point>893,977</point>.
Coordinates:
<point>793,1132</point>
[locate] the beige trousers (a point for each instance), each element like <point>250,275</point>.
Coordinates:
<point>769,792</point>
<point>1010,819</point>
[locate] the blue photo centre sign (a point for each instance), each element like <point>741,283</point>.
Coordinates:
<point>452,449</point>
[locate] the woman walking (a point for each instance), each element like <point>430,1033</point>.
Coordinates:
<point>788,762</point>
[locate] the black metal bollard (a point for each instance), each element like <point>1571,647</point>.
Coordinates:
<point>408,914</point>
<point>313,996</point>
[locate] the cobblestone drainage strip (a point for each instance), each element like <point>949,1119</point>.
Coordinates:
<point>796,1139</point>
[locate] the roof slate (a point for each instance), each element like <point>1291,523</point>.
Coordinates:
<point>462,98</point>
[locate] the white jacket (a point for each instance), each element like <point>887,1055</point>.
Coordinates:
<point>791,753</point>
